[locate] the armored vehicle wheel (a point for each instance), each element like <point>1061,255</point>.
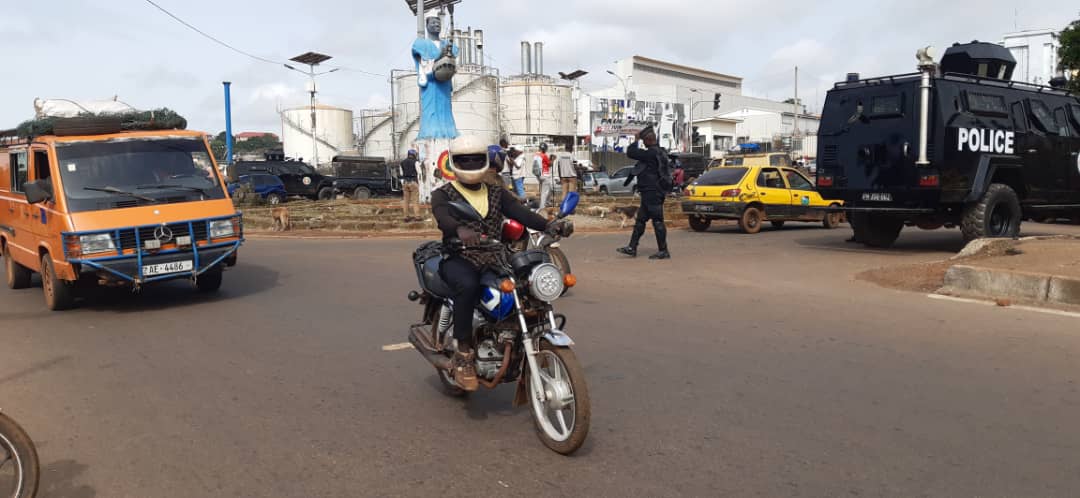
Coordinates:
<point>361,193</point>
<point>996,215</point>
<point>325,194</point>
<point>877,230</point>
<point>751,220</point>
<point>699,224</point>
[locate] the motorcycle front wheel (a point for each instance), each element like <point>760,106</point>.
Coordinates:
<point>562,420</point>
<point>19,469</point>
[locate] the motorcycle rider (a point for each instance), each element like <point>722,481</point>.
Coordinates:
<point>469,161</point>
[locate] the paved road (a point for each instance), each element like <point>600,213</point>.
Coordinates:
<point>747,366</point>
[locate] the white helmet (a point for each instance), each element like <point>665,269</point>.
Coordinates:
<point>469,159</point>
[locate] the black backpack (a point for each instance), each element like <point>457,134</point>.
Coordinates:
<point>666,175</point>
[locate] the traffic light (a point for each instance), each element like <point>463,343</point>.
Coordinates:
<point>716,102</point>
<point>696,136</point>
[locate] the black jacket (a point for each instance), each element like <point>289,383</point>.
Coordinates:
<point>649,166</point>
<point>408,169</point>
<point>508,205</point>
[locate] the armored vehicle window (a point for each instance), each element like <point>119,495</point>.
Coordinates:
<point>1019,118</point>
<point>1040,115</point>
<point>986,104</point>
<point>885,106</point>
<point>1059,122</point>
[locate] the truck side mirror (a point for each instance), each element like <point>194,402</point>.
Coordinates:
<point>38,191</point>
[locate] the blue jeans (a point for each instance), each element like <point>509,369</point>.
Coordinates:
<point>519,187</point>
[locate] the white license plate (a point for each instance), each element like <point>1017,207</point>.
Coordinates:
<point>705,208</point>
<point>167,268</point>
<point>877,196</point>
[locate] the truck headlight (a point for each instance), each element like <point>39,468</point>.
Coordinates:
<point>222,228</point>
<point>546,282</point>
<point>95,243</point>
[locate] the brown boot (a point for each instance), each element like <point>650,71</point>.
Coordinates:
<point>464,371</point>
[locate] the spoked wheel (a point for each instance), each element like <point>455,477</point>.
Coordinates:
<point>19,468</point>
<point>562,419</point>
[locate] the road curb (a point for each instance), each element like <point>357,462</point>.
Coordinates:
<point>998,283</point>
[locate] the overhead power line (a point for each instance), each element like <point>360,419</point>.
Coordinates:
<point>242,52</point>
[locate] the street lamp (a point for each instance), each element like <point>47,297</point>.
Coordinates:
<point>312,59</point>
<point>626,94</point>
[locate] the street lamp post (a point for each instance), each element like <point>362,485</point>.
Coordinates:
<point>690,125</point>
<point>626,94</point>
<point>312,59</point>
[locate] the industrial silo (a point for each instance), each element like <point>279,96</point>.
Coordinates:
<point>333,132</point>
<point>537,106</point>
<point>475,103</point>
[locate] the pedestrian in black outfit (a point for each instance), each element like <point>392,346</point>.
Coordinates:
<point>653,174</point>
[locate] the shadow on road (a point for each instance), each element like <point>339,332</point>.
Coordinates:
<point>242,281</point>
<point>58,480</point>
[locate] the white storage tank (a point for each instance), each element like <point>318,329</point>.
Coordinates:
<point>376,133</point>
<point>537,106</point>
<point>334,133</point>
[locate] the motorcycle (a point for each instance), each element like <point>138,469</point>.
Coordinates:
<point>518,336</point>
<point>19,470</point>
<point>541,241</point>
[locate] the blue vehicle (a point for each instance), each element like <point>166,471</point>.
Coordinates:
<point>269,187</point>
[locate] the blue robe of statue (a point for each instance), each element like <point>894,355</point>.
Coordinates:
<point>436,112</point>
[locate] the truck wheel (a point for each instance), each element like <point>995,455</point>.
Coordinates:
<point>699,224</point>
<point>751,220</point>
<point>59,293</point>
<point>777,224</point>
<point>18,276</point>
<point>361,193</point>
<point>880,231</point>
<point>274,199</point>
<point>210,280</point>
<point>326,194</point>
<point>996,215</point>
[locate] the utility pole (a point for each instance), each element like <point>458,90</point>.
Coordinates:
<point>312,59</point>
<point>795,132</point>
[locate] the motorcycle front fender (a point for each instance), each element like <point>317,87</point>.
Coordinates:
<point>557,337</point>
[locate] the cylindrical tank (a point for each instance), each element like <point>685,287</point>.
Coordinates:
<point>334,133</point>
<point>475,101</point>
<point>376,128</point>
<point>538,61</point>
<point>537,106</point>
<point>526,58</point>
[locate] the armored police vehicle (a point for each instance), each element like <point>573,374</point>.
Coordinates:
<point>956,144</point>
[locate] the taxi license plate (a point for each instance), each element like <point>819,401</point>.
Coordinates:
<point>705,208</point>
<point>167,268</point>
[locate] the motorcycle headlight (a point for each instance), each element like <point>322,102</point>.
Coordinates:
<point>95,243</point>
<point>546,282</point>
<point>222,228</point>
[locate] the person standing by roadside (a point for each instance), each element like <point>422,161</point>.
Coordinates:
<point>654,182</point>
<point>517,172</point>
<point>567,175</point>
<point>410,188</point>
<point>542,170</point>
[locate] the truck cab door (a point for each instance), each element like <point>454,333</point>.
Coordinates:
<point>17,225</point>
<point>1071,121</point>
<point>1045,153</point>
<point>43,215</point>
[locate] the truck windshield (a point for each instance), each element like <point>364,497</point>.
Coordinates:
<point>131,172</point>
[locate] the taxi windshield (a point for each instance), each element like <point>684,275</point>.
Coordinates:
<point>130,172</point>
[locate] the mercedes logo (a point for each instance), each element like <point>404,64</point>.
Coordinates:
<point>163,234</point>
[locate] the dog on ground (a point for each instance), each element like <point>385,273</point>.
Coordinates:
<point>280,217</point>
<point>625,214</point>
<point>598,211</point>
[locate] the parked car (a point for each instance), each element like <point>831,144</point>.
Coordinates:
<point>363,177</point>
<point>590,182</point>
<point>300,178</point>
<point>269,187</point>
<point>756,194</point>
<point>614,184</point>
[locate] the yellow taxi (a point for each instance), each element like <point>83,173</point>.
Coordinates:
<point>756,194</point>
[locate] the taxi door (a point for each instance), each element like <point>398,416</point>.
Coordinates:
<point>804,199</point>
<point>772,191</point>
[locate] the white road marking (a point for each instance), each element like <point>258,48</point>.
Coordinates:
<point>1070,314</point>
<point>397,347</point>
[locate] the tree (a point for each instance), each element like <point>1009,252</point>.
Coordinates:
<point>1069,54</point>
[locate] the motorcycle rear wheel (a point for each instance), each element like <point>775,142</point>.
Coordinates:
<point>19,470</point>
<point>562,422</point>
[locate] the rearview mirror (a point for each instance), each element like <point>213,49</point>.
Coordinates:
<point>38,191</point>
<point>569,204</point>
<point>466,211</point>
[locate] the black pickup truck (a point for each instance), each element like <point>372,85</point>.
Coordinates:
<point>300,178</point>
<point>362,177</point>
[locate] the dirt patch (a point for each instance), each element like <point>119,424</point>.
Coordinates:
<point>920,277</point>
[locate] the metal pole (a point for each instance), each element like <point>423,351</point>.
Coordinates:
<point>690,125</point>
<point>795,132</point>
<point>314,142</point>
<point>393,119</point>
<point>228,123</point>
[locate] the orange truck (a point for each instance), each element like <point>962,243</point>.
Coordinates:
<point>101,206</point>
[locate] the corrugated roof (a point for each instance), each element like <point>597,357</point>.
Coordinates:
<point>683,68</point>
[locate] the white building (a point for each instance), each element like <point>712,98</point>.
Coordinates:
<point>718,135</point>
<point>1035,53</point>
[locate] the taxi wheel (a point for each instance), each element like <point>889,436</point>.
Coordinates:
<point>59,293</point>
<point>833,219</point>
<point>751,220</point>
<point>699,224</point>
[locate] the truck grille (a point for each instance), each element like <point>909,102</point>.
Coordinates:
<point>199,234</point>
<point>829,156</point>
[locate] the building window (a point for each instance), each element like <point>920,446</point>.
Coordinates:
<point>721,142</point>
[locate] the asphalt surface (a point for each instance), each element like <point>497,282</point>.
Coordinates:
<point>746,366</point>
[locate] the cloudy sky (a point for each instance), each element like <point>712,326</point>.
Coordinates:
<point>96,49</point>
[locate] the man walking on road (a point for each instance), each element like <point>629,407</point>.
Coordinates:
<point>410,189</point>
<point>542,170</point>
<point>567,175</point>
<point>654,181</point>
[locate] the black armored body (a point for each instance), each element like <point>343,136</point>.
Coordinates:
<point>956,144</point>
